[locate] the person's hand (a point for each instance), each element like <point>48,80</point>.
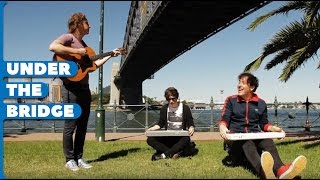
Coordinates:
<point>153,128</point>
<point>223,131</point>
<point>82,51</point>
<point>191,130</point>
<point>274,129</point>
<point>116,52</point>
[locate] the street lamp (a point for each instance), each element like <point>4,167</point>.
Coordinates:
<point>211,106</point>
<point>276,104</point>
<point>100,111</point>
<point>221,92</point>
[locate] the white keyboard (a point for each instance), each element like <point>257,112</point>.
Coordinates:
<point>259,135</point>
<point>167,133</point>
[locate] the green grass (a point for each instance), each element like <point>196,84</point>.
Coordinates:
<point>132,159</point>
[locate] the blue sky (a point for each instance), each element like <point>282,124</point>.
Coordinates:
<point>198,74</point>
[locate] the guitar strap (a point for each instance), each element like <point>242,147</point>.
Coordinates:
<point>83,43</point>
<point>86,58</point>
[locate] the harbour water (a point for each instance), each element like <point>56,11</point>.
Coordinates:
<point>136,121</point>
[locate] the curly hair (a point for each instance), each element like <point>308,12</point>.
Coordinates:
<point>252,80</point>
<point>74,20</point>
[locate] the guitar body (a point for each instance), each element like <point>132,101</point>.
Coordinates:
<point>85,64</point>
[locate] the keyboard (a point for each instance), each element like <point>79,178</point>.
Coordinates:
<point>167,133</point>
<point>258,135</point>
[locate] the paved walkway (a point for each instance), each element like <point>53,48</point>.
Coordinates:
<point>108,136</point>
<point>198,136</point>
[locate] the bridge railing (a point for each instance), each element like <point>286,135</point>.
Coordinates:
<point>121,118</point>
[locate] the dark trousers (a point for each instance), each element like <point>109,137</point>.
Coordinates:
<point>81,96</point>
<point>169,145</point>
<point>252,149</point>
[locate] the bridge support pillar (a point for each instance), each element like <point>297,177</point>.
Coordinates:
<point>131,94</point>
<point>114,91</point>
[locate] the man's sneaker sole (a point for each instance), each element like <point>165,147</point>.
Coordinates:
<point>175,156</point>
<point>267,163</point>
<point>297,166</point>
<point>72,169</point>
<point>83,164</point>
<point>86,167</point>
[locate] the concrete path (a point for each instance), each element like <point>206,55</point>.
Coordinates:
<point>206,136</point>
<point>198,136</point>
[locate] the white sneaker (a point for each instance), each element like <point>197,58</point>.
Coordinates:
<point>83,164</point>
<point>72,165</point>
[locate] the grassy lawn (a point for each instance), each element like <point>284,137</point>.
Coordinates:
<point>132,159</point>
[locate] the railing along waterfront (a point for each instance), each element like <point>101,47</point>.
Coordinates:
<point>137,118</point>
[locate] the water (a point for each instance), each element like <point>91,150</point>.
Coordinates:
<point>136,121</point>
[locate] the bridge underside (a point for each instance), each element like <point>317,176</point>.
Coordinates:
<point>175,28</point>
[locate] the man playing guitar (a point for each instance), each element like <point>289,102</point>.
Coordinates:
<point>70,46</point>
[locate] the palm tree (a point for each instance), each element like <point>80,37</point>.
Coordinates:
<point>294,44</point>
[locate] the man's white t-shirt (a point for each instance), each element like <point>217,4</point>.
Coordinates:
<point>175,117</point>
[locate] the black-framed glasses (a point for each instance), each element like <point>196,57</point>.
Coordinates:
<point>173,99</point>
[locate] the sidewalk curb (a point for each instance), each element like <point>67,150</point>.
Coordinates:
<point>206,136</point>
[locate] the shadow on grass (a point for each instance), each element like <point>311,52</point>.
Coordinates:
<point>14,135</point>
<point>114,155</point>
<point>312,142</point>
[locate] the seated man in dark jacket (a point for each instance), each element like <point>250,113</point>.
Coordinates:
<point>246,112</point>
<point>173,116</point>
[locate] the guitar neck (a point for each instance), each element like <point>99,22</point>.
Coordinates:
<point>102,55</point>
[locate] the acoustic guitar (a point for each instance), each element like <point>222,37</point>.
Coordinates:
<point>85,63</point>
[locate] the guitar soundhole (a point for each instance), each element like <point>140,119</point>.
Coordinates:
<point>86,59</point>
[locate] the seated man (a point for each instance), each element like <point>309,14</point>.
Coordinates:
<point>173,116</point>
<point>247,113</point>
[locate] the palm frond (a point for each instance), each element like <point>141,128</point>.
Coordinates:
<point>254,65</point>
<point>311,12</point>
<point>292,65</point>
<point>292,35</point>
<point>285,9</point>
<point>259,21</point>
<point>279,58</point>
<point>294,44</point>
<point>300,57</point>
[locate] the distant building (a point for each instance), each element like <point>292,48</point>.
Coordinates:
<point>199,106</point>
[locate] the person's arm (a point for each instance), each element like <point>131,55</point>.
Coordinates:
<point>225,118</point>
<point>189,119</point>
<point>57,47</point>
<point>267,127</point>
<point>162,119</point>
<point>101,61</point>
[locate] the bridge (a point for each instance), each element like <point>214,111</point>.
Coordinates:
<point>157,32</point>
